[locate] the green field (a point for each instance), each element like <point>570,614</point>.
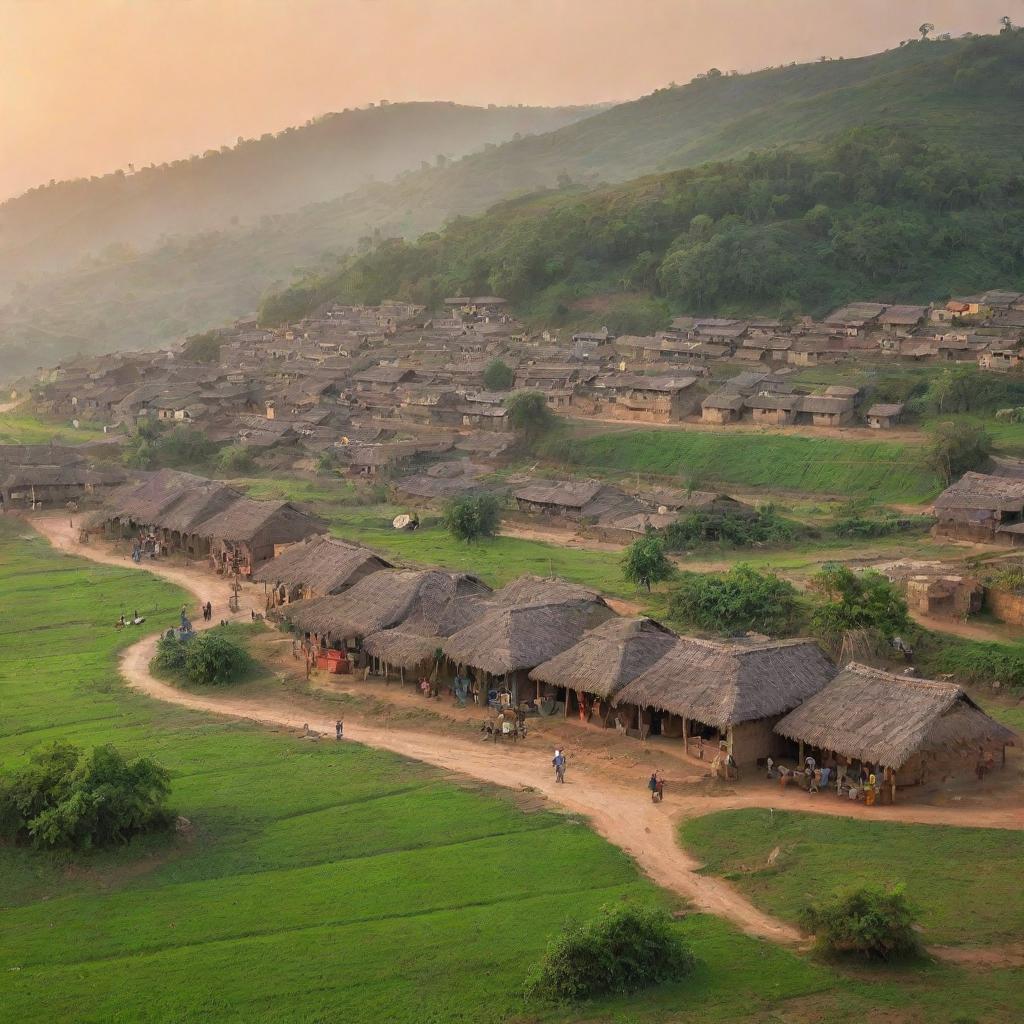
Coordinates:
<point>883,471</point>
<point>327,882</point>
<point>22,428</point>
<point>965,881</point>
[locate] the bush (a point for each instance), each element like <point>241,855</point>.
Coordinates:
<point>741,600</point>
<point>236,458</point>
<point>645,562</point>
<point>68,797</point>
<point>213,658</point>
<point>864,601</point>
<point>529,416</point>
<point>626,949</point>
<point>472,519</point>
<point>170,653</point>
<point>971,662</point>
<point>956,448</point>
<point>498,376</point>
<point>735,529</point>
<point>867,922</point>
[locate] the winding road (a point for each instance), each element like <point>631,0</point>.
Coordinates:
<point>623,814</point>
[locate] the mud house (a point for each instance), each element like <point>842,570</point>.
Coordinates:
<point>984,508</point>
<point>315,568</point>
<point>774,410</point>
<point>656,399</point>
<point>921,730</point>
<point>722,408</point>
<point>724,692</point>
<point>584,678</point>
<point>825,410</point>
<point>884,416</point>
<point>574,501</point>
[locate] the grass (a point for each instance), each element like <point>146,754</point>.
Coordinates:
<point>22,428</point>
<point>964,880</point>
<point>882,471</point>
<point>328,881</point>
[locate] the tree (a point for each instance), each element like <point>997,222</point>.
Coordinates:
<point>645,562</point>
<point>498,376</point>
<point>626,949</point>
<point>69,797</point>
<point>956,448</point>
<point>213,658</point>
<point>924,28</point>
<point>529,415</point>
<point>864,601</point>
<point>473,518</point>
<point>236,458</point>
<point>202,348</point>
<point>738,601</point>
<point>868,922</point>
<point>1007,25</point>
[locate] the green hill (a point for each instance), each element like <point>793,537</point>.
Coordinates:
<point>959,97</point>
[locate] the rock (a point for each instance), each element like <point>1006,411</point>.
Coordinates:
<point>183,826</point>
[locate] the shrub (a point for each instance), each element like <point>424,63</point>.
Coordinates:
<point>868,922</point>
<point>498,376</point>
<point>742,599</point>
<point>214,658</point>
<point>956,448</point>
<point>864,601</point>
<point>529,415</point>
<point>645,562</point>
<point>68,797</point>
<point>735,529</point>
<point>170,653</point>
<point>472,519</point>
<point>236,458</point>
<point>626,949</point>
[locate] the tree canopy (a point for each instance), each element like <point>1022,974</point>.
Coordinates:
<point>955,448</point>
<point>474,518</point>
<point>856,601</point>
<point>739,601</point>
<point>645,562</point>
<point>498,376</point>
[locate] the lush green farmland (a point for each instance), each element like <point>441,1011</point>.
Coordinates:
<point>23,428</point>
<point>965,880</point>
<point>883,471</point>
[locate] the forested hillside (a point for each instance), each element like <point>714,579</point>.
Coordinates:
<point>877,212</point>
<point>54,224</point>
<point>961,99</point>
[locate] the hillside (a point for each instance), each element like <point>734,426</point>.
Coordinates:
<point>878,212</point>
<point>55,224</point>
<point>959,96</point>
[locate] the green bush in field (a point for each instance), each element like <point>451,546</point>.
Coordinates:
<point>868,922</point>
<point>236,458</point>
<point>645,562</point>
<point>69,797</point>
<point>856,601</point>
<point>738,601</point>
<point>498,376</point>
<point>214,658</point>
<point>170,653</point>
<point>734,529</point>
<point>473,518</point>
<point>626,949</point>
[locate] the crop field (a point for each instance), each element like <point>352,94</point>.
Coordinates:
<point>882,471</point>
<point>23,428</point>
<point>964,880</point>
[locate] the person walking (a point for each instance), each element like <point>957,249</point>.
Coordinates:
<point>558,761</point>
<point>339,729</point>
<point>652,785</point>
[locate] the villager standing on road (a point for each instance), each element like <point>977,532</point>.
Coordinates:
<point>339,729</point>
<point>558,761</point>
<point>652,785</point>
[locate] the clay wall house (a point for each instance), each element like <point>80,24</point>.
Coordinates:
<point>982,507</point>
<point>1000,357</point>
<point>919,730</point>
<point>955,309</point>
<point>722,408</point>
<point>483,410</point>
<point>656,399</point>
<point>825,410</point>
<point>773,410</point>
<point>724,693</point>
<point>902,320</point>
<point>383,378</point>
<point>575,501</point>
<point>172,401</point>
<point>811,350</point>
<point>884,416</point>
<point>50,476</point>
<point>314,568</point>
<point>855,318</point>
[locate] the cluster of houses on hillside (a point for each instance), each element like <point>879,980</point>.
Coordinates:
<point>558,649</point>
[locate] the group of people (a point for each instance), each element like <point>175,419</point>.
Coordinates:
<point>510,724</point>
<point>147,544</point>
<point>870,784</point>
<point>135,620</point>
<point>656,784</point>
<point>207,612</point>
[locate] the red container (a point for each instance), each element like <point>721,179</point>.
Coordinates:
<point>332,661</point>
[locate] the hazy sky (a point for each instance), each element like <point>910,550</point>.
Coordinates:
<point>87,86</point>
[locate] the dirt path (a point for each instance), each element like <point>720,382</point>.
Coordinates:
<point>622,813</point>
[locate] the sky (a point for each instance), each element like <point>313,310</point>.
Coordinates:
<point>88,86</point>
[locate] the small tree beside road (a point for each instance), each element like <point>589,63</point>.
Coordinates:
<point>645,562</point>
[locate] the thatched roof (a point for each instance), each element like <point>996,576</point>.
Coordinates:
<point>508,639</point>
<point>543,590</point>
<point>322,564</point>
<point>383,600</point>
<point>147,501</point>
<point>245,518</point>
<point>722,683</point>
<point>609,657</point>
<point>881,718</point>
<point>982,491</point>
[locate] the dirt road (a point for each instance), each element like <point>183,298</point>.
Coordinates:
<point>620,811</point>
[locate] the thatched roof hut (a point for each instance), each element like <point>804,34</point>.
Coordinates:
<point>879,718</point>
<point>608,657</point>
<point>528,622</point>
<point>320,566</point>
<point>148,501</point>
<point>383,600</point>
<point>724,683</point>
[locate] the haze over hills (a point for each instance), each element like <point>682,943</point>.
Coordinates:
<point>962,95</point>
<point>53,225</point>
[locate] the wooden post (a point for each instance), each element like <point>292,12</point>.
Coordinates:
<point>801,752</point>
<point>686,735</point>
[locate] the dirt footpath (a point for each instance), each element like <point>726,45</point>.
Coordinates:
<point>611,796</point>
